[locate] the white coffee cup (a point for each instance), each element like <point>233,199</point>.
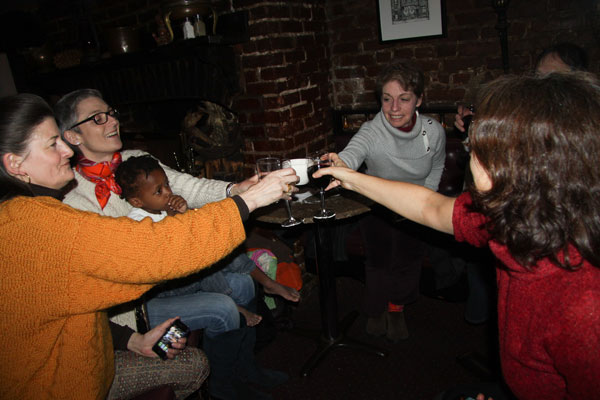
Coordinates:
<point>300,165</point>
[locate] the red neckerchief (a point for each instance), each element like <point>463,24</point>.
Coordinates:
<point>412,124</point>
<point>102,174</point>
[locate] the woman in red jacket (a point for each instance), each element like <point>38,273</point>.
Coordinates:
<point>535,201</point>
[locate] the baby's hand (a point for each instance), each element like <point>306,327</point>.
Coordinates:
<point>177,205</point>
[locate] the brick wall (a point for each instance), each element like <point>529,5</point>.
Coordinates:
<point>305,57</point>
<point>285,107</point>
<point>470,54</point>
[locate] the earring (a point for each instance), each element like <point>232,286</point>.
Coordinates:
<point>77,144</point>
<point>28,178</point>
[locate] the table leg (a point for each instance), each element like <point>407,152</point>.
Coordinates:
<point>327,289</point>
<point>332,335</point>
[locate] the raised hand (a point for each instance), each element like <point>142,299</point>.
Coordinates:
<point>343,176</point>
<point>272,187</point>
<point>462,112</point>
<point>177,205</point>
<point>336,160</point>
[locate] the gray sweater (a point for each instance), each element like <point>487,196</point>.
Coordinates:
<point>417,156</point>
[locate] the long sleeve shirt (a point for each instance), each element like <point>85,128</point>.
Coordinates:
<point>62,267</point>
<point>120,335</point>
<point>416,157</point>
<point>548,319</point>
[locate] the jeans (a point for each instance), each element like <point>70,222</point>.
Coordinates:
<point>216,313</point>
<point>210,280</point>
<point>218,282</point>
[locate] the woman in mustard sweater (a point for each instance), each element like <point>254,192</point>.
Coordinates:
<point>56,341</point>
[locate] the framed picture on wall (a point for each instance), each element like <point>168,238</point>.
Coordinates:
<point>411,19</point>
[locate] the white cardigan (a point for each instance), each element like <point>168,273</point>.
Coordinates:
<point>196,191</point>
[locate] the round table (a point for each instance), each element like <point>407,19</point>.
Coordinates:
<point>345,203</point>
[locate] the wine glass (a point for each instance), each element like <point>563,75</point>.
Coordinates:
<point>291,221</point>
<point>263,167</point>
<point>321,183</point>
<point>267,165</point>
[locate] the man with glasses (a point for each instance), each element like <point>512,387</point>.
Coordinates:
<point>91,127</point>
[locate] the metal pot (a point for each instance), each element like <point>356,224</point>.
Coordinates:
<point>123,39</point>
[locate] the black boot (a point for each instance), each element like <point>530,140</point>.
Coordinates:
<point>223,352</point>
<point>249,371</point>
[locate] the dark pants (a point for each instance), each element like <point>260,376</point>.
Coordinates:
<point>394,255</point>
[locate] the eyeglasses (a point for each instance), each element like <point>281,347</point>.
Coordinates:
<point>100,118</point>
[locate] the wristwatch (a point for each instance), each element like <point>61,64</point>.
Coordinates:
<point>228,189</point>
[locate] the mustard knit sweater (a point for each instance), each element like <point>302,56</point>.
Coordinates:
<point>61,267</point>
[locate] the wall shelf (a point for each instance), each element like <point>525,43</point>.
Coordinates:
<point>191,69</point>
<point>203,68</point>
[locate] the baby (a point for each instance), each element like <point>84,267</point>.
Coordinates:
<point>145,186</point>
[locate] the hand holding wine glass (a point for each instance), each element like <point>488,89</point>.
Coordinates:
<point>344,177</point>
<point>266,165</point>
<point>270,188</point>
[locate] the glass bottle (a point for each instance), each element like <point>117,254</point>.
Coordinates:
<point>199,27</point>
<point>188,29</point>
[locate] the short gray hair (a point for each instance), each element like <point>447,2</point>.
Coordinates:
<point>65,111</point>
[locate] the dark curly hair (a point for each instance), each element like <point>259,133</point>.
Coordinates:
<point>128,172</point>
<point>538,139</point>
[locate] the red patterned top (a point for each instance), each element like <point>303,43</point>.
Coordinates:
<point>549,319</point>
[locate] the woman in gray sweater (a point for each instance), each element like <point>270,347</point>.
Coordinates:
<point>398,144</point>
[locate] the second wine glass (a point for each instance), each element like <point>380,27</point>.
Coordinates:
<point>321,183</point>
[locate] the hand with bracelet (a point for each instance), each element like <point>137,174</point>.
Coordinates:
<point>240,187</point>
